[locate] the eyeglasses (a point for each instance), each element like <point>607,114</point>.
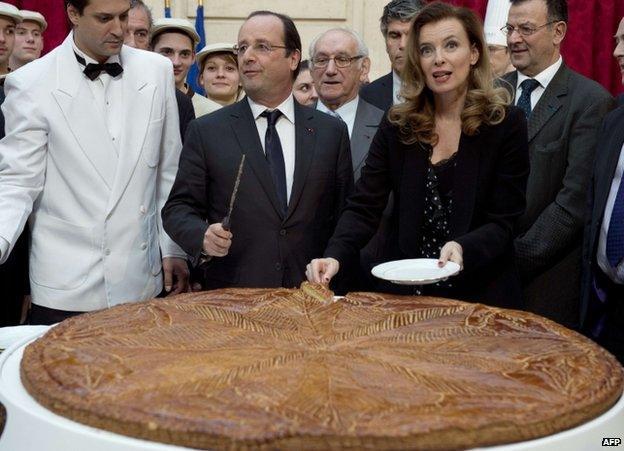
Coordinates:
<point>524,30</point>
<point>340,61</point>
<point>259,47</point>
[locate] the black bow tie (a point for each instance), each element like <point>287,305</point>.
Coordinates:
<point>93,70</point>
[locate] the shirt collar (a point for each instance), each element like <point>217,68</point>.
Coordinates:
<point>544,77</point>
<point>89,60</point>
<point>346,111</point>
<point>396,87</point>
<point>287,107</point>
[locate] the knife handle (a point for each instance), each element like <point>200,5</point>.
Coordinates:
<point>226,223</point>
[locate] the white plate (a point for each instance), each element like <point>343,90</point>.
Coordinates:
<point>13,334</point>
<point>416,271</point>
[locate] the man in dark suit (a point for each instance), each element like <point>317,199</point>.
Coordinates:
<point>296,177</point>
<point>602,308</point>
<point>395,24</point>
<point>564,111</point>
<point>137,35</point>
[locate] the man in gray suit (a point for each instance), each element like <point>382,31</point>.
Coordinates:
<point>339,60</point>
<point>339,63</point>
<point>564,111</point>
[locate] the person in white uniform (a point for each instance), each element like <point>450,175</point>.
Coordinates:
<point>90,155</point>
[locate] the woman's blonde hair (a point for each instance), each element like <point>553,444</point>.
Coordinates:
<point>485,104</point>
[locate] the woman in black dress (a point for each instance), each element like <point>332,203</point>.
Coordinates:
<point>455,156</point>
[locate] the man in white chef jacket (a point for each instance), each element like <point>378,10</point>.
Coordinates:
<point>90,154</point>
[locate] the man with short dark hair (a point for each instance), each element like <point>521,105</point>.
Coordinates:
<point>296,177</point>
<point>395,24</point>
<point>602,309</point>
<point>564,111</point>
<point>137,35</point>
<point>91,150</point>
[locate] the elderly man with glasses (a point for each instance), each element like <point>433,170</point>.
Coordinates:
<point>340,63</point>
<point>296,176</point>
<point>564,112</point>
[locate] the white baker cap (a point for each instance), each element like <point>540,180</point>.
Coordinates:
<point>34,16</point>
<point>219,47</point>
<point>10,11</point>
<point>169,24</point>
<point>496,18</point>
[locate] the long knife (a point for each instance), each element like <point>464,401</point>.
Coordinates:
<point>226,221</point>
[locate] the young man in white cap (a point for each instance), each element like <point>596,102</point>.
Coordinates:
<point>176,39</point>
<point>495,19</point>
<point>9,18</point>
<point>28,39</point>
<point>90,154</point>
<point>137,35</point>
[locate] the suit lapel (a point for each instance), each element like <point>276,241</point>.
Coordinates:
<point>305,138</point>
<point>549,103</point>
<point>137,96</point>
<point>364,129</point>
<point>464,185</point>
<point>76,102</point>
<point>244,128</point>
<point>614,147</point>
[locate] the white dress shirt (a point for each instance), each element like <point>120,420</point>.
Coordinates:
<point>107,92</point>
<point>543,78</point>
<point>345,112</point>
<point>615,274</point>
<point>396,88</point>
<point>285,127</point>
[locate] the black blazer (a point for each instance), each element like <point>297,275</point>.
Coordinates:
<point>185,111</point>
<point>488,197</point>
<point>268,249</point>
<point>608,150</point>
<point>379,92</point>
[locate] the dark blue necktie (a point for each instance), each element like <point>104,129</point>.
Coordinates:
<point>615,236</point>
<point>275,156</point>
<point>524,102</point>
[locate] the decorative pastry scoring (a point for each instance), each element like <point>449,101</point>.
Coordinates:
<point>280,368</point>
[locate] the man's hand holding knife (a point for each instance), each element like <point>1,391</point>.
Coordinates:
<point>218,238</point>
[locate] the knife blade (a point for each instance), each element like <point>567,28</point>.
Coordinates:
<point>226,220</point>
